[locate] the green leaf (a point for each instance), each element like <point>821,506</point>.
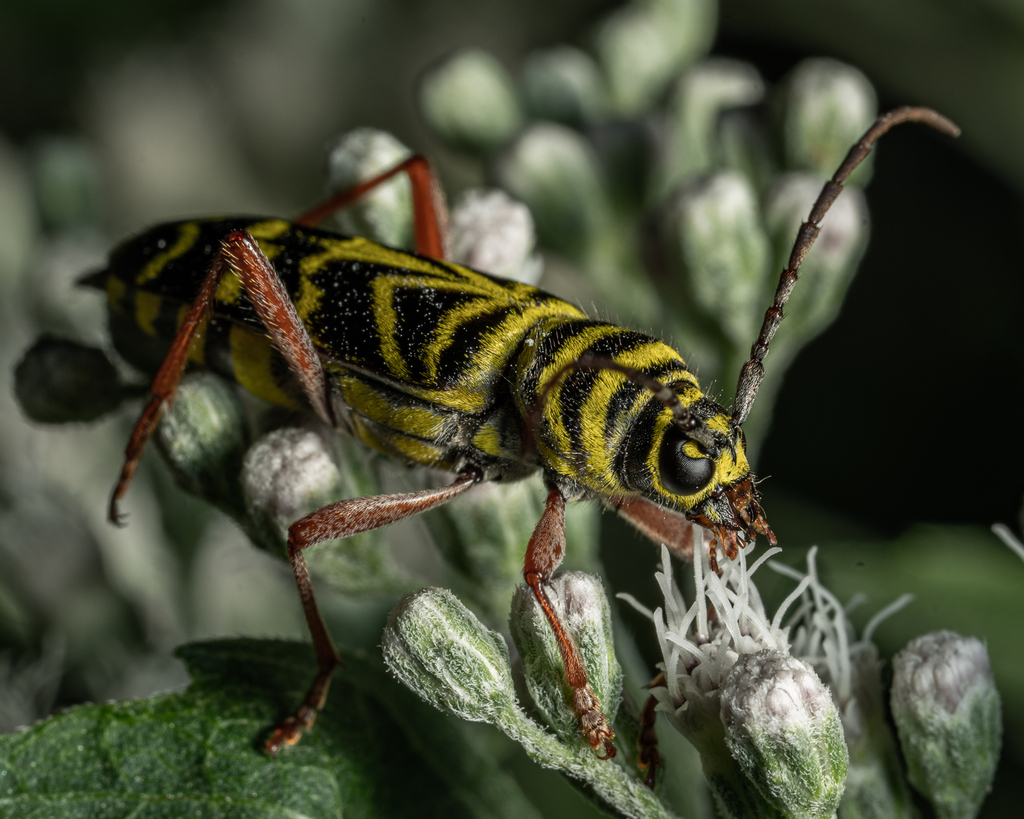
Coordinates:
<point>198,753</point>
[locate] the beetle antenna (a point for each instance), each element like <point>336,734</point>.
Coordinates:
<point>753,371</point>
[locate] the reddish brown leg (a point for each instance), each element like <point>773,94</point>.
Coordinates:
<point>429,211</point>
<point>543,556</point>
<point>648,758</point>
<point>673,529</point>
<point>241,253</point>
<point>342,519</point>
<point>661,525</point>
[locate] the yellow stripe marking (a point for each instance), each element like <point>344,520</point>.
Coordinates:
<point>116,290</point>
<point>252,355</point>
<point>268,230</point>
<point>229,288</point>
<point>187,235</point>
<point>488,441</point>
<point>147,308</point>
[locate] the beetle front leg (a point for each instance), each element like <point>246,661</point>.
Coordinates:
<point>659,524</point>
<point>543,556</point>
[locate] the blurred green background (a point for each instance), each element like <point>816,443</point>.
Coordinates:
<point>902,413</point>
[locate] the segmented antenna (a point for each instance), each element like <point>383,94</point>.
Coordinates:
<point>753,370</point>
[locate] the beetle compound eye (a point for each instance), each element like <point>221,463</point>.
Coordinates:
<point>681,474</point>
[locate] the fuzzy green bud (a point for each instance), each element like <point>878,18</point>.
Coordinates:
<point>492,232</point>
<point>67,182</point>
<point>437,647</point>
<point>698,100</point>
<point>470,102</point>
<point>287,474</point>
<point>385,213</point>
<point>875,787</point>
<point>554,171</point>
<point>17,204</point>
<point>948,717</point>
<point>644,45</point>
<point>59,382</point>
<point>580,602</point>
<point>713,232</point>
<point>744,145</point>
<point>827,107</point>
<point>291,472</point>
<point>564,85</point>
<point>784,731</point>
<point>203,434</point>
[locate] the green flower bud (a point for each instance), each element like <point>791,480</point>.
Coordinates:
<point>743,145</point>
<point>564,85</point>
<point>828,269</point>
<point>203,434</point>
<point>385,213</point>
<point>784,731</point>
<point>699,98</point>
<point>59,382</point>
<point>482,537</point>
<point>827,107</point>
<point>17,239</point>
<point>644,45</point>
<point>67,182</point>
<point>580,602</point>
<point>948,717</point>
<point>554,171</point>
<point>875,787</point>
<point>435,646</point>
<point>470,102</point>
<point>490,231</point>
<point>712,231</point>
<point>287,474</point>
<point>292,472</point>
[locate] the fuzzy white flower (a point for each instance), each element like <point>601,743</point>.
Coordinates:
<point>822,634</point>
<point>758,761</point>
<point>698,650</point>
<point>824,638</point>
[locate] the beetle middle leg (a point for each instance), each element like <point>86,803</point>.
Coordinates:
<point>338,520</point>
<point>543,556</point>
<point>241,252</point>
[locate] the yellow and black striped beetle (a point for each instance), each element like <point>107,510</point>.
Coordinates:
<point>440,365</point>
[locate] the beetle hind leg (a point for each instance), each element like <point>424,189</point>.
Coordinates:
<point>240,252</point>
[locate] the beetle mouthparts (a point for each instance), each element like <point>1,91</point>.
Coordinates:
<point>740,520</point>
